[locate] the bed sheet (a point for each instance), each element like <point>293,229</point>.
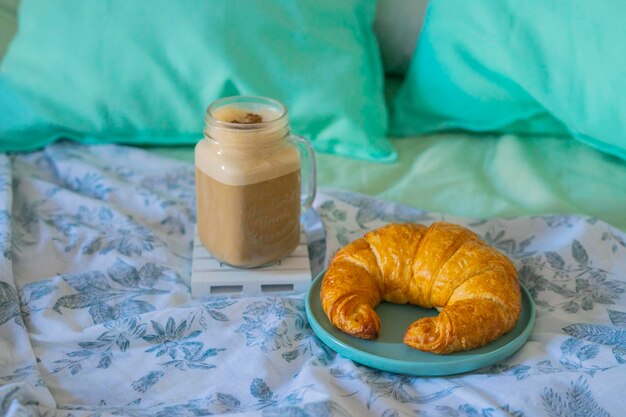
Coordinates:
<point>484,175</point>
<point>96,318</point>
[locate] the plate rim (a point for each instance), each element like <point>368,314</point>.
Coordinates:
<point>450,366</point>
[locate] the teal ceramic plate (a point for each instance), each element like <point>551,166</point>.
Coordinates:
<point>388,353</point>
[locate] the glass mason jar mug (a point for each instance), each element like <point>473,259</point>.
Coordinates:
<point>253,179</point>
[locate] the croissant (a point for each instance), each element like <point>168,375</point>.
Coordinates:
<point>445,266</point>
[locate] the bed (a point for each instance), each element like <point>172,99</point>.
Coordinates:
<point>97,317</point>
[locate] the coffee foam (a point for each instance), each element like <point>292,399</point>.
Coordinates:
<point>232,169</point>
<point>232,113</point>
<point>243,154</point>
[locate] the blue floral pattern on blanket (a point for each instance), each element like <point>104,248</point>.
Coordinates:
<point>96,318</point>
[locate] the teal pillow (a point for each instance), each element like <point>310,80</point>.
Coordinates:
<point>536,66</point>
<point>143,72</point>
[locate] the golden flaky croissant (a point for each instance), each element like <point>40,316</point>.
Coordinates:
<point>444,266</point>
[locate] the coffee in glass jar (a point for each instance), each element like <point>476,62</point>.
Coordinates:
<point>253,178</point>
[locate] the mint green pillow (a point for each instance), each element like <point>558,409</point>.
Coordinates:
<point>537,66</point>
<point>143,72</point>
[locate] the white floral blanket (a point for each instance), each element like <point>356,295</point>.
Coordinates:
<point>96,319</point>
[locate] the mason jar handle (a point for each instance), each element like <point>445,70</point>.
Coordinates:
<point>308,172</point>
